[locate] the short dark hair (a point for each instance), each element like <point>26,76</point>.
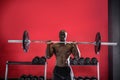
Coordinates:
<point>61,31</point>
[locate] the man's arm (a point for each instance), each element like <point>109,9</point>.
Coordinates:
<point>75,51</point>
<point>49,50</point>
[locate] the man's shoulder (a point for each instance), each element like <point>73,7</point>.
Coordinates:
<point>70,44</point>
<point>55,44</point>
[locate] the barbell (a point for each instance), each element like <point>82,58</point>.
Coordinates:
<point>26,42</point>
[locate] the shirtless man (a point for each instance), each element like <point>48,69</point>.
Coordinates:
<point>62,52</point>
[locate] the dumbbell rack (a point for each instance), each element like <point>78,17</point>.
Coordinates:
<point>23,63</point>
<point>97,67</point>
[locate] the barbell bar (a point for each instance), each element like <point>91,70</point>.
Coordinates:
<point>41,41</point>
<point>26,42</point>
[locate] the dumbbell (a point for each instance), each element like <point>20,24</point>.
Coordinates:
<point>71,60</point>
<point>35,78</point>
<point>29,77</point>
<point>41,78</point>
<point>36,60</point>
<point>75,61</point>
<point>81,61</point>
<point>80,78</point>
<point>42,60</point>
<point>93,78</point>
<point>74,78</point>
<point>87,61</point>
<point>94,61</point>
<point>86,78</point>
<point>23,77</point>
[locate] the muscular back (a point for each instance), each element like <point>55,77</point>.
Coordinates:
<point>62,52</point>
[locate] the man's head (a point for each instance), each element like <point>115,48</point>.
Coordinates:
<point>62,35</point>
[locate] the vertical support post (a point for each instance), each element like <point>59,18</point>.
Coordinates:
<point>98,71</point>
<point>45,71</point>
<point>6,71</point>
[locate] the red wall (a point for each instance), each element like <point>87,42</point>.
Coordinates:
<point>43,19</point>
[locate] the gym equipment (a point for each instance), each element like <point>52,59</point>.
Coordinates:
<point>86,78</point>
<point>39,60</point>
<point>87,61</point>
<point>23,77</point>
<point>93,78</point>
<point>80,78</point>
<point>94,61</point>
<point>35,78</point>
<point>42,60</point>
<point>41,77</point>
<point>29,77</point>
<point>74,78</point>
<point>26,42</point>
<point>23,63</point>
<point>71,60</point>
<point>75,61</point>
<point>98,43</point>
<point>36,60</point>
<point>81,61</point>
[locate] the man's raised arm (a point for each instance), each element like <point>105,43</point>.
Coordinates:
<point>49,50</point>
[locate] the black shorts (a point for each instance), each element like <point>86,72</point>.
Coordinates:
<point>61,73</point>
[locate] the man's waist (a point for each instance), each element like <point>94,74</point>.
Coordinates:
<point>59,69</point>
<point>62,64</point>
